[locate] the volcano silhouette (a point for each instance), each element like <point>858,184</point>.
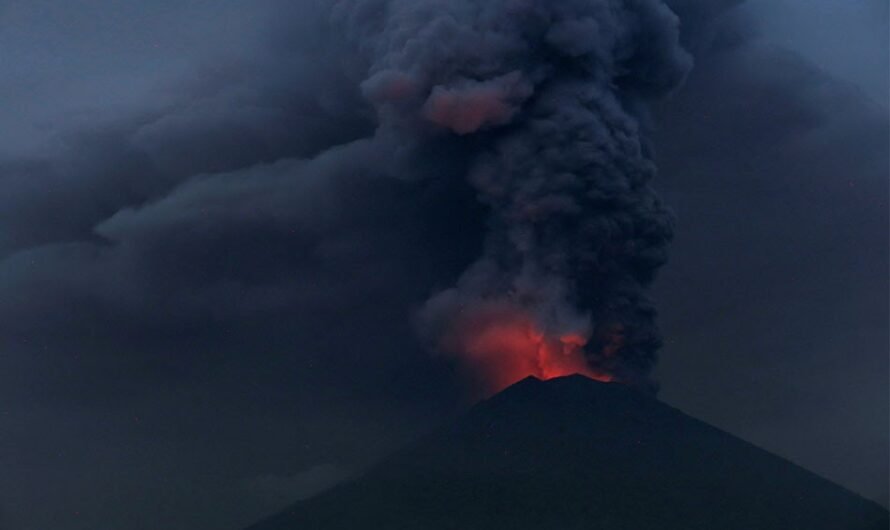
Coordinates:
<point>572,453</point>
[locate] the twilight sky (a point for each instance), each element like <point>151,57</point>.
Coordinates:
<point>204,315</point>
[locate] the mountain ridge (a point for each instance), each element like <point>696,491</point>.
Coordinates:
<point>575,453</point>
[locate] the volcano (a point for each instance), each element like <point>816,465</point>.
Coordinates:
<point>573,453</point>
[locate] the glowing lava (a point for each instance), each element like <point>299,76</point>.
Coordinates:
<point>503,347</point>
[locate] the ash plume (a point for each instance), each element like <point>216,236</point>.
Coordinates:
<point>220,223</point>
<point>549,99</point>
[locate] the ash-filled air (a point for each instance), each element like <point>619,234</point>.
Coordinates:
<point>548,100</point>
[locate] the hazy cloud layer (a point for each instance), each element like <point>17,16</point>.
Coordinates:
<point>210,259</point>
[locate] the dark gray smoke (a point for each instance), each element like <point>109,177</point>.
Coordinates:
<point>548,99</point>
<point>214,248</point>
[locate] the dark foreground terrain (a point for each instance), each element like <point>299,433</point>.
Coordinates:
<point>572,453</point>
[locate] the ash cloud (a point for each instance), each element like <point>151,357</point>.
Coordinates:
<point>197,290</point>
<point>552,97</point>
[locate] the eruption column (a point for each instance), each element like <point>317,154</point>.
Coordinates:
<point>548,100</point>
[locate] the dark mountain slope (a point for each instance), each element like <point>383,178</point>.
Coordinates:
<point>572,453</point>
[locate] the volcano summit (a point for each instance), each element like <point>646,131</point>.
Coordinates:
<point>573,453</point>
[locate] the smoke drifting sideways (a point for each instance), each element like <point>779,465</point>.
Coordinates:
<point>493,154</point>
<point>549,102</point>
<point>223,276</point>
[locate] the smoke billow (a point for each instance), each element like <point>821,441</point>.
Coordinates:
<point>219,225</point>
<point>549,101</point>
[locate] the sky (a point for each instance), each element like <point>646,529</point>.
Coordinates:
<point>205,313</point>
<point>847,39</point>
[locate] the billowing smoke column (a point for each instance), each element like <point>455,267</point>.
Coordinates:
<point>548,97</point>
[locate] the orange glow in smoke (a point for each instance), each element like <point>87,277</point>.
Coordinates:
<point>503,348</point>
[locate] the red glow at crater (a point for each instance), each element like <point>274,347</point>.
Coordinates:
<point>501,348</point>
